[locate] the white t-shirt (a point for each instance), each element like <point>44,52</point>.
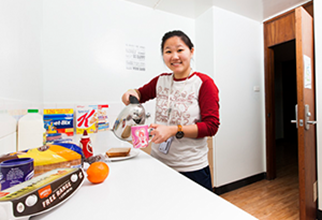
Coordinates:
<point>181,107</point>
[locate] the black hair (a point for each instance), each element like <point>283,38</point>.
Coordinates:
<point>176,33</point>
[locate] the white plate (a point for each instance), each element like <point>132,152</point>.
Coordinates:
<point>133,153</point>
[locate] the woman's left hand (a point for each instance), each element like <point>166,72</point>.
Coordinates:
<point>161,133</point>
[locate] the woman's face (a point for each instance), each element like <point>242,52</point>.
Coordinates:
<point>177,56</point>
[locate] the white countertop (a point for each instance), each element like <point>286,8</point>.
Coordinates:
<point>143,188</point>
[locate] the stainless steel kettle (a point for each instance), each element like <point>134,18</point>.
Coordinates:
<point>132,115</point>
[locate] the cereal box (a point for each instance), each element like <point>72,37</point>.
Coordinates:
<point>59,123</point>
<point>86,119</point>
<point>103,122</point>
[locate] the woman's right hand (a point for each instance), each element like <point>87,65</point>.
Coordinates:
<point>126,96</point>
<point>161,133</point>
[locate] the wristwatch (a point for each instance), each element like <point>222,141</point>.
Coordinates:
<point>179,133</point>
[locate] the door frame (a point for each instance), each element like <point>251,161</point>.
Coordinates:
<point>277,30</point>
<point>271,40</point>
<point>285,25</point>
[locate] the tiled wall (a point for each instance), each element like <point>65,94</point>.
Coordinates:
<point>7,133</point>
<point>11,111</point>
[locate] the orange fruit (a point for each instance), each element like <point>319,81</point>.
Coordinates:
<point>97,172</point>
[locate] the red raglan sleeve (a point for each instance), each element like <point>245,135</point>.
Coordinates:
<point>209,108</point>
<point>148,91</point>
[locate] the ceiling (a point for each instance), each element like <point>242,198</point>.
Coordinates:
<point>258,10</point>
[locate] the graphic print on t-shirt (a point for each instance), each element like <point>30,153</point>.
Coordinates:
<point>179,103</point>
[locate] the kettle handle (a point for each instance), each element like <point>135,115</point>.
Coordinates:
<point>134,100</point>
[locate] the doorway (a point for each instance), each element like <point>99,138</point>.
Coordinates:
<point>286,137</point>
<point>280,33</point>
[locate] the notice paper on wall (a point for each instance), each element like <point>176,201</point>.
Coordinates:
<point>135,57</point>
<point>307,72</point>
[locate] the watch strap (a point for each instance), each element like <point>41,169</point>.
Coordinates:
<point>179,133</point>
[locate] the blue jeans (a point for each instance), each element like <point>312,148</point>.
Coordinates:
<point>202,177</point>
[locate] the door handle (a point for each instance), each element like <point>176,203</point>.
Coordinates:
<point>295,121</point>
<point>307,118</point>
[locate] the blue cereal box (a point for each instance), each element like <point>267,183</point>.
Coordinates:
<point>58,123</point>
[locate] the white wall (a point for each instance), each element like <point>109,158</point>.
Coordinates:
<point>84,61</point>
<point>20,53</point>
<point>84,49</point>
<point>239,150</point>
<point>318,80</point>
<point>79,46</point>
<point>20,65</point>
<point>205,52</point>
<point>205,43</point>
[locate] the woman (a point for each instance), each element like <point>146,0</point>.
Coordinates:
<point>187,110</point>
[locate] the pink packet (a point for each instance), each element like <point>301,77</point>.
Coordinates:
<point>140,136</point>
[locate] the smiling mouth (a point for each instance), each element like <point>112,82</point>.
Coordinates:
<point>176,63</point>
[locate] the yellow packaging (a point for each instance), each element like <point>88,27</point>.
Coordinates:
<point>49,157</point>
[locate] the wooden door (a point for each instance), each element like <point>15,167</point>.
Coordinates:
<point>277,30</point>
<point>294,25</point>
<point>306,113</point>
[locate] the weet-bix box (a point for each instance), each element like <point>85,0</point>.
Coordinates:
<point>59,124</point>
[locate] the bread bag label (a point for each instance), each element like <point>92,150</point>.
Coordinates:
<point>48,157</point>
